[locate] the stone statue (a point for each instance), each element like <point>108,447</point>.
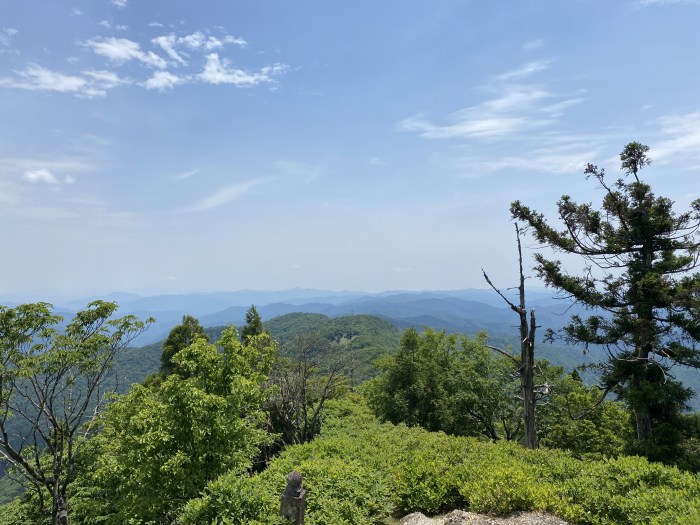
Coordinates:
<point>293,500</point>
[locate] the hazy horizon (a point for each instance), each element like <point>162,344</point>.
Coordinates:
<point>36,296</point>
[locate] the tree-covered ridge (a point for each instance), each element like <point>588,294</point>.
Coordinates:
<point>365,336</point>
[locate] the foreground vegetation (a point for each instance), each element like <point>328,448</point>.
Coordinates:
<point>210,437</point>
<point>361,471</point>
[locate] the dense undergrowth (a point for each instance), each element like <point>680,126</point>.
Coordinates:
<point>360,471</point>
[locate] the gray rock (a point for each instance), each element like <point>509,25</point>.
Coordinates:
<point>460,517</point>
<point>416,518</point>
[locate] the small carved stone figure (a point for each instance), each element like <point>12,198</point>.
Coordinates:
<point>293,500</point>
<point>294,484</point>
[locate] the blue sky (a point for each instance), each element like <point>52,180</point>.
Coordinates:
<point>172,146</point>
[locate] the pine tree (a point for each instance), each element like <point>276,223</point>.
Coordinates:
<point>182,336</point>
<point>253,324</point>
<point>639,257</point>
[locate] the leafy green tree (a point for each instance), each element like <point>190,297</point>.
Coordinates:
<point>449,383</point>
<point>52,381</point>
<point>575,419</point>
<point>639,255</point>
<point>409,385</point>
<point>459,386</point>
<point>159,445</point>
<point>482,397</point>
<point>253,324</point>
<point>689,457</point>
<point>180,337</point>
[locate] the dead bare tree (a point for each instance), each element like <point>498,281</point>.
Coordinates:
<point>304,381</point>
<point>526,363</point>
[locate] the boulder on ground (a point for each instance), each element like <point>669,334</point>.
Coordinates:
<point>460,517</point>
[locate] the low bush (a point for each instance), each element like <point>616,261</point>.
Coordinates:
<point>359,471</point>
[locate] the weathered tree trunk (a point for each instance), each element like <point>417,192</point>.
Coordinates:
<point>527,358</point>
<point>527,373</point>
<point>526,364</point>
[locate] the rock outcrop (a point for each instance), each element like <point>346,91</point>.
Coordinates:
<point>459,517</point>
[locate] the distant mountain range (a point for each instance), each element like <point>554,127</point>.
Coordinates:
<point>465,311</point>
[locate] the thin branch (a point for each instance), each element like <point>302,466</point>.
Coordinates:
<point>503,352</point>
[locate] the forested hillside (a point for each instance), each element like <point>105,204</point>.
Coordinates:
<point>426,379</point>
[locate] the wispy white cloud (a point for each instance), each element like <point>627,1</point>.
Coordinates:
<point>179,52</point>
<point>75,12</point>
<point>198,40</point>
<point>120,50</point>
<point>647,3</point>
<point>107,79</point>
<point>40,78</point>
<point>162,80</point>
<point>194,41</point>
<point>187,174</point>
<point>91,84</point>
<point>462,127</point>
<point>167,43</point>
<point>44,176</point>
<point>520,127</point>
<point>516,107</point>
<point>155,24</point>
<point>105,23</point>
<point>41,175</point>
<point>682,140</point>
<point>76,164</point>
<point>6,35</point>
<point>227,195</point>
<point>556,161</point>
<point>218,71</point>
<point>120,4</point>
<point>525,70</point>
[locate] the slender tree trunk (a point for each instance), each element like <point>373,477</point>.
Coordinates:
<point>527,357</point>
<point>527,376</point>
<point>642,414</point>
<point>645,334</point>
<point>59,512</point>
<point>643,421</point>
<point>526,364</point>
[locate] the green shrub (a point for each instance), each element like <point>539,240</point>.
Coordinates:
<point>359,471</point>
